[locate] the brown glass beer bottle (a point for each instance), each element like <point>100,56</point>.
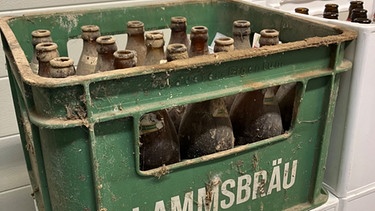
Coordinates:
<point>62,67</point>
<point>155,48</point>
<point>241,34</point>
<point>199,38</point>
<point>105,46</point>
<point>45,53</point>
<point>89,56</point>
<point>136,40</point>
<point>38,36</point>
<point>178,31</point>
<point>159,143</point>
<point>124,59</point>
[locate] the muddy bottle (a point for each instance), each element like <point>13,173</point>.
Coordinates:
<point>89,56</point>
<point>255,116</point>
<point>159,143</point>
<point>155,48</point>
<point>62,67</point>
<point>268,37</point>
<point>136,40</point>
<point>331,11</point>
<point>241,34</point>
<point>176,51</point>
<point>225,44</point>
<point>285,96</point>
<point>354,5</point>
<point>45,53</point>
<point>199,38</point>
<point>38,36</point>
<point>105,46</point>
<point>302,10</point>
<point>178,31</point>
<point>206,127</point>
<point>125,59</point>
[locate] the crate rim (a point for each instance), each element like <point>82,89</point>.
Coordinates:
<point>27,76</point>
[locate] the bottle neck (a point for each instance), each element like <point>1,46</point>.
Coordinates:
<point>150,123</point>
<point>44,69</point>
<point>198,47</point>
<point>89,48</point>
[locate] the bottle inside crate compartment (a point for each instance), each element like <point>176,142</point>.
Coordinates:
<point>193,130</point>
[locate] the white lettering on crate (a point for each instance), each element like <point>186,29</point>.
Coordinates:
<point>223,195</point>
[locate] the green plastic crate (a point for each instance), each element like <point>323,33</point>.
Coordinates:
<point>80,134</point>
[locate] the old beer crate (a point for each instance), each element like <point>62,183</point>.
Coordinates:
<point>80,134</point>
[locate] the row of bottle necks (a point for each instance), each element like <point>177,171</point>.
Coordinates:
<point>356,13</point>
<point>188,131</point>
<point>100,53</point>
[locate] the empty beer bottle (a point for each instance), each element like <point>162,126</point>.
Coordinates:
<point>268,37</point>
<point>45,53</point>
<point>285,96</point>
<point>105,46</point>
<point>206,127</point>
<point>62,67</point>
<point>89,56</point>
<point>255,116</point>
<point>354,5</point>
<point>159,143</point>
<point>155,48</point>
<point>125,59</point>
<point>199,38</point>
<point>136,40</point>
<point>302,10</point>
<point>176,51</point>
<point>38,36</point>
<point>331,11</point>
<point>241,34</point>
<point>225,44</point>
<point>178,31</point>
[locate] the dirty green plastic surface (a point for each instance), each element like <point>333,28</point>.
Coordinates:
<point>81,133</point>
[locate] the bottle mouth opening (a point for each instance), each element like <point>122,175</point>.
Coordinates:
<point>332,5</point>
<point>90,28</point>
<point>224,41</point>
<point>154,35</point>
<point>269,33</point>
<point>124,54</point>
<point>241,23</point>
<point>135,24</point>
<point>176,48</point>
<point>356,2</point>
<point>199,29</point>
<point>178,19</point>
<point>61,62</point>
<point>41,33</point>
<point>46,46</point>
<point>105,40</point>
